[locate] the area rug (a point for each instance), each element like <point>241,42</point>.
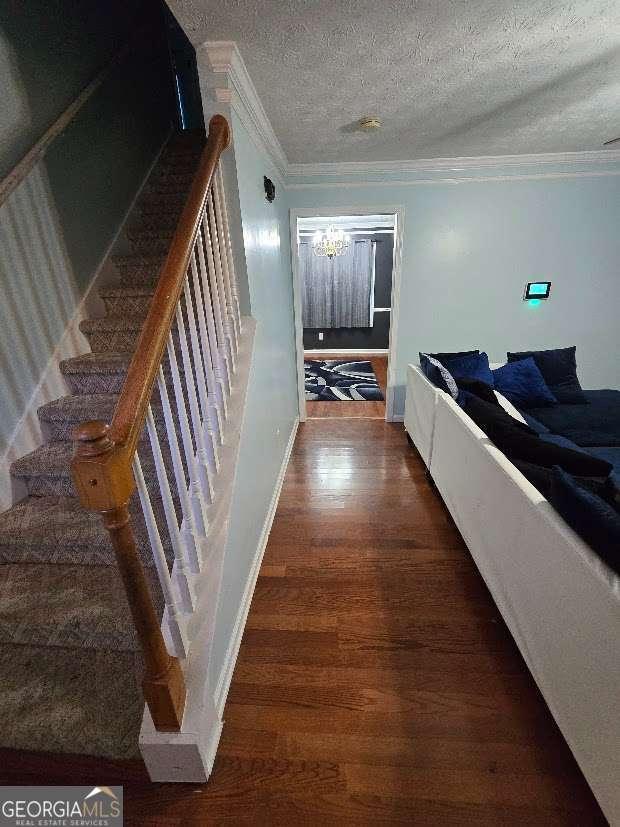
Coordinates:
<point>335,380</point>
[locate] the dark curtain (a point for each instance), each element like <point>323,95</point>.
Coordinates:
<point>337,292</point>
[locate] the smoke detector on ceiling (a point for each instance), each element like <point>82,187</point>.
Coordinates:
<point>370,122</point>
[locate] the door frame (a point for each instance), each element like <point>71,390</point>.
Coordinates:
<point>330,212</point>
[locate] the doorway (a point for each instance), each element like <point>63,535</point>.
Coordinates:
<point>346,279</point>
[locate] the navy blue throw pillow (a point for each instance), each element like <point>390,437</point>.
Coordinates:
<point>470,366</point>
<point>559,370</point>
<point>438,374</point>
<point>522,384</point>
<point>595,520</point>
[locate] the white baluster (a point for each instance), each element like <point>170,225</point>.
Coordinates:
<point>219,297</point>
<point>181,554</point>
<point>189,530</point>
<point>204,472</point>
<point>210,293</point>
<point>200,432</point>
<point>226,258</point>
<point>211,439</point>
<point>176,626</point>
<point>219,177</point>
<point>194,513</point>
<point>213,387</point>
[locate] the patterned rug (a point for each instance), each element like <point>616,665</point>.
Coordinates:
<point>335,380</point>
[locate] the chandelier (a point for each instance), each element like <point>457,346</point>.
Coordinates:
<point>330,243</point>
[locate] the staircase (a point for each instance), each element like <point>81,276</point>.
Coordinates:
<point>71,667</point>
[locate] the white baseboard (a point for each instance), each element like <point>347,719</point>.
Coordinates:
<point>223,684</point>
<point>346,351</point>
<point>27,433</point>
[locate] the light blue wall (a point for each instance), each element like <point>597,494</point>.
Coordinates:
<point>272,394</point>
<point>470,247</point>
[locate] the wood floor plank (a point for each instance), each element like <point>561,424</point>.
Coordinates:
<point>376,682</point>
<point>467,786</point>
<point>455,725</point>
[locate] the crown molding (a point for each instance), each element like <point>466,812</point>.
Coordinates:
<point>232,86</point>
<point>441,181</point>
<point>348,168</point>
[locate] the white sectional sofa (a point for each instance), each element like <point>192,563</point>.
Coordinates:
<point>560,601</point>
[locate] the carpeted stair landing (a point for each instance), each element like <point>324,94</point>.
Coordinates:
<point>71,669</point>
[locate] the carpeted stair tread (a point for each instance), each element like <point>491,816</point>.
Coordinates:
<point>121,299</point>
<point>58,530</point>
<point>112,333</point>
<point>119,291</point>
<point>180,163</point>
<point>154,260</point>
<point>63,415</point>
<point>47,470</point>
<point>145,231</point>
<point>72,606</point>
<point>94,373</point>
<point>181,176</point>
<point>156,204</point>
<point>164,221</point>
<point>99,363</point>
<point>128,290</point>
<point>115,333</point>
<point>140,268</point>
<point>167,185</point>
<point>79,408</point>
<point>45,459</point>
<point>112,323</point>
<point>144,241</point>
<point>82,701</point>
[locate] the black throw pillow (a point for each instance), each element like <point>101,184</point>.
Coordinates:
<point>519,441</point>
<point>591,516</point>
<point>492,418</point>
<point>479,389</point>
<point>542,479</point>
<point>444,357</point>
<point>559,370</point>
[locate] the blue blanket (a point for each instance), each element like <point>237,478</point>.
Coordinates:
<point>592,425</point>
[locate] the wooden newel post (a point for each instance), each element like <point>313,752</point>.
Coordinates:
<point>102,480</point>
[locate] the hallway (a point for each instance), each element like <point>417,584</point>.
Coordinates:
<point>376,682</point>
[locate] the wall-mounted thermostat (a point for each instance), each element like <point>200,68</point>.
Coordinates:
<point>537,290</point>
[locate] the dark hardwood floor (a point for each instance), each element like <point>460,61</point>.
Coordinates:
<point>348,410</point>
<point>376,682</point>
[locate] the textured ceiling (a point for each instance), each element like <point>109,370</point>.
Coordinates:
<point>448,78</point>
